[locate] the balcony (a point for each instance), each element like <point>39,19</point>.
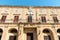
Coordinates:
<point>34,21</point>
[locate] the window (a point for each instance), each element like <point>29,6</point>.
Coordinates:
<point>1,31</point>
<point>59,37</point>
<point>46,31</point>
<point>12,38</point>
<point>0,37</point>
<point>3,18</point>
<point>43,18</point>
<point>47,34</point>
<point>55,19</point>
<point>47,37</point>
<point>16,18</point>
<point>58,33</point>
<point>30,18</point>
<point>29,36</point>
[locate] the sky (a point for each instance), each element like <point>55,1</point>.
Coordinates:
<point>30,2</point>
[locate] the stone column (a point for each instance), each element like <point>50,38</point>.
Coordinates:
<point>20,33</point>
<point>55,34</point>
<point>39,34</point>
<point>5,33</point>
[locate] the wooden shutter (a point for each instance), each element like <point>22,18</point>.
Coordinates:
<point>3,18</point>
<point>16,18</point>
<point>55,19</point>
<point>43,18</point>
<point>29,18</point>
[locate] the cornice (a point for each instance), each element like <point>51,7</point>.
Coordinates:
<point>30,6</point>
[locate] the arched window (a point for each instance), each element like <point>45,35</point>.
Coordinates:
<point>29,18</point>
<point>1,31</point>
<point>46,31</point>
<point>47,34</point>
<point>58,32</point>
<point>13,34</point>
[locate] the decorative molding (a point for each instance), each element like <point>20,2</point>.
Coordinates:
<point>53,27</point>
<point>52,10</point>
<point>6,26</point>
<point>53,15</point>
<point>16,14</point>
<point>38,32</point>
<point>38,26</point>
<point>42,10</point>
<point>42,14</point>
<point>4,14</point>
<point>19,31</point>
<point>29,14</point>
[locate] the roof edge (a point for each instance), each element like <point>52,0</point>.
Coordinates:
<point>30,6</point>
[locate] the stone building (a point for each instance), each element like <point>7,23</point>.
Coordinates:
<point>29,23</point>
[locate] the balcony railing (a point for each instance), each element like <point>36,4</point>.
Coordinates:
<point>26,21</point>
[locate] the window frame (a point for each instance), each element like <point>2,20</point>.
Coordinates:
<point>3,18</point>
<point>48,37</point>
<point>43,19</point>
<point>30,18</point>
<point>55,19</point>
<point>16,18</point>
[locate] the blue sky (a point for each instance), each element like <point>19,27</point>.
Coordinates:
<point>30,2</point>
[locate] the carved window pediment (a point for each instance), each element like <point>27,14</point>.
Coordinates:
<point>53,15</point>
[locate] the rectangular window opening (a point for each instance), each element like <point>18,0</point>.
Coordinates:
<point>29,18</point>
<point>16,18</point>
<point>43,18</point>
<point>3,18</point>
<point>47,37</point>
<point>0,37</point>
<point>13,38</point>
<point>55,19</point>
<point>59,37</point>
<point>29,36</point>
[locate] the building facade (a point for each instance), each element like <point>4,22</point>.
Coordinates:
<point>29,23</point>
